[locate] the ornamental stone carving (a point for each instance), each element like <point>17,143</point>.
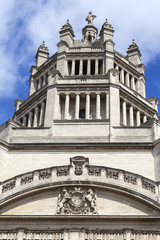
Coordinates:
<point>94,171</point>
<point>8,186</point>
<point>76,201</point>
<point>112,174</point>
<point>148,186</point>
<point>78,163</point>
<point>27,179</point>
<point>63,171</point>
<point>44,174</point>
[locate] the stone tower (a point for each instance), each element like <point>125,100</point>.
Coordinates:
<point>80,159</point>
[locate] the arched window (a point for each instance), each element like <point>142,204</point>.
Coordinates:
<point>82,114</point>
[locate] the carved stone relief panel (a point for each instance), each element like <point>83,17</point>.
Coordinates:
<point>79,163</point>
<point>76,200</point>
<point>8,186</point>
<point>63,171</point>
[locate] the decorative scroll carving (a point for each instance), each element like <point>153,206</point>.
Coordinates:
<point>27,179</point>
<point>76,201</point>
<point>63,171</point>
<point>130,179</point>
<point>112,174</point>
<point>148,186</point>
<point>8,186</point>
<point>94,171</point>
<point>44,174</point>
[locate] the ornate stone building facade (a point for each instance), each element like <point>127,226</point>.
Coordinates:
<point>80,159</point>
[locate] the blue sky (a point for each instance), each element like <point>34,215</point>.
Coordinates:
<point>26,23</point>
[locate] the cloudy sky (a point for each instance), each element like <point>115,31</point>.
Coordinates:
<point>26,23</point>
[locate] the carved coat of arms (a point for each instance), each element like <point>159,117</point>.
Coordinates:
<point>76,201</point>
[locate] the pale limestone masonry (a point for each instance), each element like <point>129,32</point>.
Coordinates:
<point>80,160</point>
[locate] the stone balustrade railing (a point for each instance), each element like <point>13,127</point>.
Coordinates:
<point>86,234</point>
<point>103,176</point>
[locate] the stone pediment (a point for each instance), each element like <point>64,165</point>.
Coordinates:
<point>79,188</point>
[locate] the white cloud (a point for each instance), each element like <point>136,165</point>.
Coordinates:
<point>27,23</point>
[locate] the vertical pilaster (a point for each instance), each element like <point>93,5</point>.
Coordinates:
<point>20,234</point>
<point>114,99</point>
<point>38,84</point>
<point>24,121</point>
<point>41,122</point>
<point>73,67</point>
<point>66,111</point>
<point>32,88</point>
<point>35,124</point>
<point>124,113</point>
<point>122,76</point>
<point>127,79</point>
<point>87,105</point>
<point>117,67</point>
<point>88,67</point>
<point>30,119</point>
<point>131,121</point>
<point>98,106</point>
<point>133,83</point>
<point>96,67</point>
<point>144,118</point>
<point>77,104</point>
<point>128,235</point>
<point>81,67</point>
<point>107,105</point>
<point>138,117</point>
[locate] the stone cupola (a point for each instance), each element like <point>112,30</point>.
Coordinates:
<point>134,54</point>
<point>90,31</point>
<point>67,33</point>
<point>106,32</point>
<point>42,54</point>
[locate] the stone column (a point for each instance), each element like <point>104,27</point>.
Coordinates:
<point>122,76</point>
<point>117,67</point>
<point>107,105</point>
<point>131,121</point>
<point>102,66</point>
<point>133,83</point>
<point>35,124</point>
<point>20,234</point>
<point>128,235</point>
<point>144,118</point>
<point>98,106</point>
<point>66,111</point>
<point>30,119</point>
<point>87,105</point>
<point>45,79</point>
<point>81,67</point>
<point>127,79</point>
<point>40,82</point>
<point>88,67</point>
<point>124,113</point>
<point>96,67</point>
<point>77,103</point>
<point>41,121</point>
<point>24,121</point>
<point>73,67</point>
<point>138,117</point>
